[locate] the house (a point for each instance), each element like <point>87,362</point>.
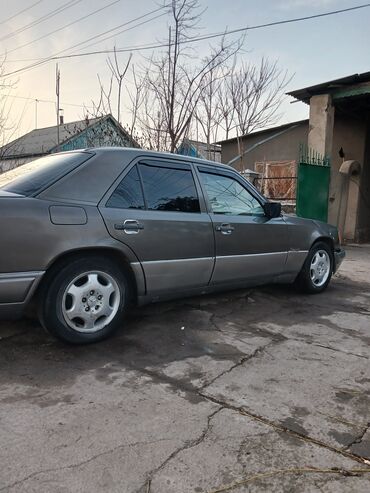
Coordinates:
<point>201,150</point>
<point>273,154</point>
<point>332,146</point>
<point>339,129</point>
<point>273,144</point>
<point>103,131</point>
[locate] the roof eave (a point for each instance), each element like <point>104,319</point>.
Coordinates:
<point>304,94</point>
<point>265,130</point>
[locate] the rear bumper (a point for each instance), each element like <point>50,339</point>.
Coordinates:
<point>339,256</point>
<point>16,290</point>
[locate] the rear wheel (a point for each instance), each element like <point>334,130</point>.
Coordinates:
<point>85,301</point>
<point>317,270</point>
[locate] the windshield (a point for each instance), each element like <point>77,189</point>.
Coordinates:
<point>31,178</point>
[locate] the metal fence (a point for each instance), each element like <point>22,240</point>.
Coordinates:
<point>282,188</point>
<point>313,184</point>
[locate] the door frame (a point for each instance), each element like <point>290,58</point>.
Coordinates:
<point>153,269</point>
<point>254,262</point>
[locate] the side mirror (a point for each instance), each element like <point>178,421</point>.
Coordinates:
<point>272,209</point>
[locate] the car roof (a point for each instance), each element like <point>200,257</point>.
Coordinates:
<point>134,152</point>
<point>88,182</point>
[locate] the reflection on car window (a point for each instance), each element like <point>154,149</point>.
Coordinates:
<point>228,196</point>
<point>45,171</point>
<point>169,189</point>
<point>128,194</point>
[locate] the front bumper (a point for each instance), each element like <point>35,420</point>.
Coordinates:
<point>339,255</point>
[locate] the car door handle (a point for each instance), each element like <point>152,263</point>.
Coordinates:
<point>225,228</point>
<point>129,226</point>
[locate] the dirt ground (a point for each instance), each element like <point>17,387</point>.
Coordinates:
<point>258,390</point>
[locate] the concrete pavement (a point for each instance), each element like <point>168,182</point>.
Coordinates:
<point>259,390</point>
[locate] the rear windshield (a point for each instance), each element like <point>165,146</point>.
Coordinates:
<point>31,178</point>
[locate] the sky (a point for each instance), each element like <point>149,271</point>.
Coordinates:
<point>313,51</point>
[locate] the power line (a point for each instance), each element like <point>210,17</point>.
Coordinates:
<point>62,27</point>
<point>96,36</point>
<point>49,15</point>
<point>190,40</point>
<point>42,61</point>
<point>124,30</point>
<point>20,12</point>
<point>48,101</point>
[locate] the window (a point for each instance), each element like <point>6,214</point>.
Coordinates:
<point>45,171</point>
<point>227,196</point>
<point>128,194</point>
<point>169,189</point>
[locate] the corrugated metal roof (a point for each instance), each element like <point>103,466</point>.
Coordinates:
<point>264,131</point>
<point>43,140</point>
<point>305,93</point>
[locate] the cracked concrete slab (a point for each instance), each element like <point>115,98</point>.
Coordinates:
<point>77,439</point>
<point>315,391</point>
<point>361,445</point>
<point>138,413</point>
<point>236,449</point>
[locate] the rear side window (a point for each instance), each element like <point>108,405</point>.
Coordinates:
<point>128,194</point>
<point>44,172</point>
<point>169,189</point>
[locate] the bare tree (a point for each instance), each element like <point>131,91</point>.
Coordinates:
<point>241,98</point>
<point>256,94</point>
<point>6,126</point>
<point>118,75</point>
<point>176,80</point>
<point>208,113</point>
<point>107,95</point>
<point>177,93</point>
<point>137,99</point>
<point>225,105</point>
<point>103,105</point>
<point>9,126</point>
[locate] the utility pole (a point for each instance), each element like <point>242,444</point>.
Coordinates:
<point>57,93</point>
<point>36,101</point>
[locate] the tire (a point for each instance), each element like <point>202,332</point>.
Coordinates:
<point>85,300</point>
<point>317,269</point>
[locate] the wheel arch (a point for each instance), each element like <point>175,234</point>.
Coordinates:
<point>135,278</point>
<point>324,239</point>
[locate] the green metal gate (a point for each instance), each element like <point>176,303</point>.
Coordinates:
<point>312,185</point>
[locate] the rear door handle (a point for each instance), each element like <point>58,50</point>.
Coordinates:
<point>129,226</point>
<point>225,228</point>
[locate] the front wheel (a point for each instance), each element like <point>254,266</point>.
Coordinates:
<point>85,300</point>
<point>317,270</point>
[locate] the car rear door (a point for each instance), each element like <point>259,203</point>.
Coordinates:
<point>249,246</point>
<point>157,209</point>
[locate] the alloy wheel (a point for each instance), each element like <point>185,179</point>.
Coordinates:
<point>91,301</point>
<point>320,268</point>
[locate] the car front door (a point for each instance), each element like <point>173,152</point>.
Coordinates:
<point>249,246</point>
<point>158,211</point>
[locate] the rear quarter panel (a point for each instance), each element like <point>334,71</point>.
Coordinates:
<point>31,242</point>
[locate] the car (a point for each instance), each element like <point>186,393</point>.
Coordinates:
<point>86,234</point>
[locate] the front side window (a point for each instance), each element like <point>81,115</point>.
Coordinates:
<point>128,194</point>
<point>169,189</point>
<point>227,196</point>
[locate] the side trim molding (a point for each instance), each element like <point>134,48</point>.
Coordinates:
<point>15,286</point>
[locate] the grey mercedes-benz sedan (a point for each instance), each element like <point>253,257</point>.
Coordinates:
<point>85,234</point>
